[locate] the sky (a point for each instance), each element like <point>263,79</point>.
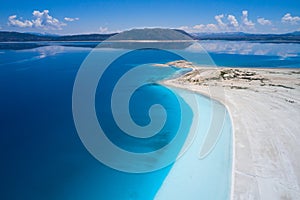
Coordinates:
<point>106,16</point>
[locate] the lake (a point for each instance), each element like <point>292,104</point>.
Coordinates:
<point>45,158</point>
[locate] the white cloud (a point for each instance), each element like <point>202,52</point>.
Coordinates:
<point>263,21</point>
<point>219,20</point>
<point>69,19</point>
<point>227,23</point>
<point>204,28</point>
<point>184,27</point>
<point>103,29</point>
<point>246,23</point>
<point>230,25</point>
<point>232,21</point>
<point>45,21</point>
<point>198,26</point>
<point>223,23</point>
<point>13,21</point>
<point>188,29</point>
<point>288,18</point>
<point>42,20</point>
<point>211,27</point>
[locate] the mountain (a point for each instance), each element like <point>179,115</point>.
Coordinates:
<point>153,34</point>
<point>7,36</point>
<point>136,34</point>
<point>43,34</point>
<point>240,36</point>
<point>18,41</point>
<point>297,33</point>
<point>150,38</point>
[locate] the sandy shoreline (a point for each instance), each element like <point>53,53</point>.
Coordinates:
<point>264,106</point>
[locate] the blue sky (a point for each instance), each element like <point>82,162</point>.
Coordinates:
<point>91,16</point>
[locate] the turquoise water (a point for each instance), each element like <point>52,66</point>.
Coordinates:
<point>202,178</point>
<point>43,155</point>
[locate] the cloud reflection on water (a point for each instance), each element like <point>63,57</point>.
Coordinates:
<point>282,50</point>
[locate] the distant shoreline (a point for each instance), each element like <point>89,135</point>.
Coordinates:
<point>157,41</point>
<point>181,44</point>
<point>159,34</point>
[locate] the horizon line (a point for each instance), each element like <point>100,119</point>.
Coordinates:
<point>118,32</point>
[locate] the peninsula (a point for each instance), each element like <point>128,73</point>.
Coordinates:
<point>264,105</point>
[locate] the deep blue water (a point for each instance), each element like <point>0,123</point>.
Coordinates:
<point>43,157</point>
<point>141,100</point>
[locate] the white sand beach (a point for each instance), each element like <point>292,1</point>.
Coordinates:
<point>264,106</point>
